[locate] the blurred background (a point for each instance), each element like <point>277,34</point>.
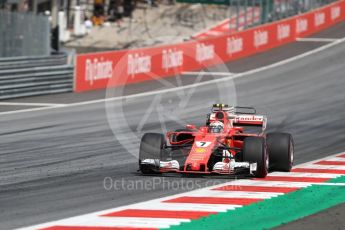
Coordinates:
<point>39,27</point>
<point>39,39</point>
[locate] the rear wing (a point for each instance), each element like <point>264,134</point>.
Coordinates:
<point>249,120</point>
<point>233,109</point>
<point>244,110</point>
<point>240,115</point>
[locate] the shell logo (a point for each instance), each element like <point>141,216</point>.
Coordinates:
<point>200,150</point>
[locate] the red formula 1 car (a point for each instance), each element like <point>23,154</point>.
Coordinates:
<point>225,145</point>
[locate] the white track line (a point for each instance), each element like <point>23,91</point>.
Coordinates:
<point>268,183</point>
<point>209,73</point>
<point>317,39</point>
<point>315,166</point>
<point>328,158</point>
<point>302,174</point>
<point>339,159</point>
<point>244,74</point>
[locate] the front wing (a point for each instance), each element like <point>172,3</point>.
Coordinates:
<point>227,168</point>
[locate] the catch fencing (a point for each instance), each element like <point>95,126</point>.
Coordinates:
<point>270,10</point>
<point>24,34</point>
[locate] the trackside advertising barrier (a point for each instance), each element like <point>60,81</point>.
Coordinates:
<point>116,68</point>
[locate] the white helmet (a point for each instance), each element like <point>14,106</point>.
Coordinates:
<point>216,127</point>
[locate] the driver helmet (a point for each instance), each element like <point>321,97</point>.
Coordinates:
<point>216,127</point>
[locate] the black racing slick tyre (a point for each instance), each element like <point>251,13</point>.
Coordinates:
<point>151,147</point>
<point>254,151</point>
<point>280,148</point>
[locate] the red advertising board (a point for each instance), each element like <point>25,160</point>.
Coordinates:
<point>110,69</point>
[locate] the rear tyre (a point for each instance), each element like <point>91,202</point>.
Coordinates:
<point>151,147</point>
<point>254,151</point>
<point>281,151</point>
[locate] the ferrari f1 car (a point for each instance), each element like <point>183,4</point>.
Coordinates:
<point>225,145</point>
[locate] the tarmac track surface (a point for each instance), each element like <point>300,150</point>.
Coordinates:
<point>53,162</point>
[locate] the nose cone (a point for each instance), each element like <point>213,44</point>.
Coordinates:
<point>196,166</point>
<point>200,154</point>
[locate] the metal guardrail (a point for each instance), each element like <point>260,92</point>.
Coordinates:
<point>30,76</point>
<point>34,61</point>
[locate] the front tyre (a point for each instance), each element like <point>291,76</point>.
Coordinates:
<point>151,147</point>
<point>281,150</point>
<point>254,151</point>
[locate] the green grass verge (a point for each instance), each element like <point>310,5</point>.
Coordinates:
<point>275,211</point>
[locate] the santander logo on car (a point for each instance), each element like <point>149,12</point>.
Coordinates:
<point>250,118</point>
